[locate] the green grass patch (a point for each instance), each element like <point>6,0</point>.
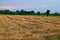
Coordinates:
<point>55,37</point>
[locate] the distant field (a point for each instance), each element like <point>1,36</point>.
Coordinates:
<point>19,27</point>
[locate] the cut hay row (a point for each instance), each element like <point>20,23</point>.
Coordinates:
<point>28,27</point>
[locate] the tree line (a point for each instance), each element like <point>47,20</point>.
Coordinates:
<point>23,12</point>
<point>17,12</point>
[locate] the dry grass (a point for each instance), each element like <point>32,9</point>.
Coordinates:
<point>28,27</point>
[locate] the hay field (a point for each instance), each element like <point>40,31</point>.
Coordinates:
<point>18,27</point>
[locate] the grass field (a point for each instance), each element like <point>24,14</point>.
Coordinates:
<point>17,27</point>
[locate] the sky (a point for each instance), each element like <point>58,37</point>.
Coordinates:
<point>28,5</point>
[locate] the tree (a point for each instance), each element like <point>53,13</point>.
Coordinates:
<point>27,12</point>
<point>17,12</point>
<point>1,12</point>
<point>38,13</point>
<point>56,12</point>
<point>6,11</point>
<point>47,12</point>
<point>22,12</point>
<point>32,12</point>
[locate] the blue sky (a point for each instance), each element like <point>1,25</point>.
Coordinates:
<point>36,5</point>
